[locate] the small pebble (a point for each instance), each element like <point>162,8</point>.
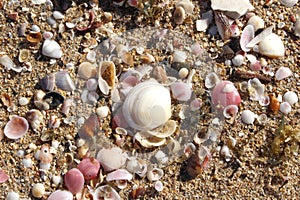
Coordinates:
<point>13,196</point>
<point>58,15</point>
<point>38,190</point>
<point>102,111</point>
<point>23,101</point>
<point>248,116</point>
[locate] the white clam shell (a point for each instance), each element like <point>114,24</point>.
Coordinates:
<point>143,110</point>
<point>282,73</point>
<point>248,116</point>
<point>288,3</point>
<point>238,60</point>
<point>57,15</point>
<point>285,108</point>
<point>246,37</point>
<point>13,196</point>
<point>260,37</point>
<point>16,128</point>
<point>272,46</point>
<point>290,97</point>
<point>51,49</point>
<point>179,56</point>
<point>257,22</point>
<point>61,194</point>
<point>7,62</point>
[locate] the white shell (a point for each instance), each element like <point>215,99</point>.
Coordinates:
<point>260,37</point>
<point>282,73</point>
<point>102,111</point>
<point>290,97</point>
<point>57,15</point>
<point>51,49</point>
<point>187,5</point>
<point>285,108</point>
<point>288,3</point>
<point>232,8</point>
<point>38,190</point>
<point>202,24</point>
<point>257,22</point>
<point>211,80</point>
<point>7,62</point>
<point>106,76</point>
<point>248,116</point>
<point>142,109</point>
<point>238,60</point>
<point>158,186</point>
<point>271,46</point>
<point>155,174</point>
<point>179,56</point>
<point>246,37</point>
<point>230,111</point>
<point>13,196</point>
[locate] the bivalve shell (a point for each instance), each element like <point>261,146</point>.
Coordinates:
<point>106,76</point>
<point>16,128</point>
<point>74,180</point>
<point>288,3</point>
<point>38,190</point>
<point>51,49</point>
<point>282,73</point>
<point>257,22</point>
<point>155,174</point>
<point>290,97</point>
<point>111,159</point>
<point>61,194</point>
<point>13,196</point>
<point>271,46</point>
<point>87,70</point>
<point>285,108</point>
<point>248,116</point>
<point>34,37</point>
<point>179,15</point>
<point>89,168</point>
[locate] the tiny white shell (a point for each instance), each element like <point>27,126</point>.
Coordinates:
<point>285,108</point>
<point>51,49</point>
<point>290,97</point>
<point>238,60</point>
<point>272,46</point>
<point>248,116</point>
<point>257,22</point>
<point>202,24</point>
<point>225,151</point>
<point>158,186</point>
<point>57,15</point>
<point>282,73</point>
<point>7,62</point>
<point>211,80</point>
<point>13,196</point>
<point>38,190</point>
<point>155,174</point>
<point>183,73</point>
<point>179,56</point>
<point>102,111</point>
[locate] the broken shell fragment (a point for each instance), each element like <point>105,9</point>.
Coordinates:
<point>111,159</point>
<point>106,76</point>
<point>290,97</point>
<point>257,22</point>
<point>158,186</point>
<point>35,118</point>
<point>74,180</point>
<point>9,64</point>
<point>155,174</point>
<point>106,192</point>
<point>38,190</point>
<point>87,70</point>
<point>119,174</point>
<point>3,176</point>
<point>148,140</point>
<point>89,168</point>
<point>179,15</point>
<point>234,9</point>
<point>61,194</point>
<point>297,27</point>
<point>51,49</point>
<point>34,37</point>
<point>271,46</point>
<point>230,111</point>
<point>142,109</point>
<point>282,73</point>
<point>288,3</point>
<point>181,91</point>
<point>211,80</point>
<point>48,82</point>
<point>248,116</point>
<point>16,128</point>
<point>64,81</point>
<point>246,37</point>
<point>285,108</point>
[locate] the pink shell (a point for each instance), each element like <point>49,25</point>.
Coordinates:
<point>224,94</point>
<point>61,194</point>
<point>181,91</point>
<point>16,127</point>
<point>246,37</point>
<point>74,180</point>
<point>283,72</point>
<point>3,176</point>
<point>89,168</point>
<point>119,174</point>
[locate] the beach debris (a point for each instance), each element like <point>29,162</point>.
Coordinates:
<point>155,174</point>
<point>7,101</point>
<point>12,196</point>
<point>137,166</point>
<point>183,8</point>
<point>248,116</point>
<point>282,73</point>
<point>290,97</point>
<point>257,22</point>
<point>8,63</point>
<point>106,76</point>
<point>224,94</point>
<point>3,176</point>
<point>89,168</point>
<point>44,156</point>
<point>233,9</point>
<point>38,190</point>
<point>106,192</point>
<point>34,37</point>
<point>112,159</point>
<point>35,118</point>
<point>50,47</point>
<point>288,3</point>
<point>74,180</point>
<point>16,127</point>
<point>60,194</point>
<point>271,46</point>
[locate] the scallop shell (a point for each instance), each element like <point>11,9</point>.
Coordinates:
<point>288,3</point>
<point>142,109</point>
<point>106,76</point>
<point>272,46</point>
<point>16,127</point>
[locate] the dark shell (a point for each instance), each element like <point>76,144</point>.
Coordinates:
<point>48,82</point>
<point>54,99</point>
<point>90,128</point>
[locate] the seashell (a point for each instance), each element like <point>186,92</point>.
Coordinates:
<point>146,59</point>
<point>257,22</point>
<point>264,100</point>
<point>38,190</point>
<point>54,122</point>
<point>179,15</point>
<point>24,55</point>
<point>232,9</point>
<point>48,82</point>
<point>160,74</point>
<point>290,97</point>
<point>198,161</point>
<point>57,179</point>
<point>189,149</point>
<point>90,128</point>
<point>64,81</point>
<point>262,119</point>
<point>202,24</point>
<point>224,94</point>
<point>51,21</point>
<point>61,194</point>
<point>91,56</point>
<point>271,46</point>
<point>3,176</point>
<point>57,15</point>
<point>234,30</point>
<point>297,27</point>
<point>248,116</point>
<point>230,111</point>
<point>6,100</point>
<point>111,159</point>
<point>148,140</point>
<point>22,29</point>
<point>12,196</point>
<point>142,109</point>
<point>51,49</point>
<point>119,174</point>
<point>35,28</point>
<point>223,23</point>
<point>44,155</point>
<point>89,168</point>
<point>54,99</point>
<point>158,186</point>
<point>106,76</point>
<point>74,180</point>
<point>225,151</point>
<point>195,105</point>
<point>87,70</point>
<point>183,73</point>
<point>155,174</point>
<point>65,109</point>
<point>265,33</point>
<point>289,3</point>
<point>137,166</point>
<point>187,5</point>
<point>102,111</point>
<point>274,103</point>
<point>16,128</point>
<point>282,73</point>
<point>256,89</point>
<point>27,162</point>
<point>35,118</point>
<point>179,56</point>
<point>34,37</point>
<point>238,60</point>
<point>7,62</point>
<point>254,63</point>
<point>165,130</point>
<point>127,58</point>
<point>246,37</point>
<point>211,80</point>
<point>181,91</point>
<point>106,192</point>
<point>285,108</point>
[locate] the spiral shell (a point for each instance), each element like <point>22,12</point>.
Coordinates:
<point>147,106</point>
